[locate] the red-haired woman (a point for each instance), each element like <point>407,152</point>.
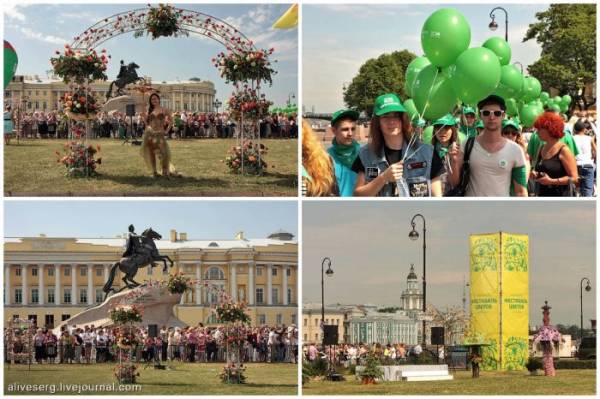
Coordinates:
<point>556,167</point>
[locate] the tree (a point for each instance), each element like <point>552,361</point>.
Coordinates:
<point>384,74</point>
<point>390,309</point>
<point>194,79</point>
<point>567,35</point>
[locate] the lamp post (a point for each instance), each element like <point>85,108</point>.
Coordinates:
<point>520,65</point>
<point>291,97</point>
<point>329,273</point>
<point>217,104</point>
<point>588,288</point>
<point>493,25</point>
<point>414,235</point>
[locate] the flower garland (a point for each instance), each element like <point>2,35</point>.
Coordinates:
<point>252,156</point>
<point>79,159</point>
<point>79,65</point>
<point>178,284</point>
<point>163,21</point>
<point>245,65</point>
<point>247,102</point>
<point>123,314</point>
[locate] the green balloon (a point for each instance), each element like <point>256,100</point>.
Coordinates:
<point>475,75</point>
<point>428,134</point>
<point>433,93</point>
<point>511,82</point>
<point>564,107</point>
<point>409,104</point>
<point>511,107</point>
<point>411,73</point>
<point>557,100</point>
<point>531,89</point>
<point>500,47</point>
<point>10,62</point>
<point>528,115</point>
<point>444,36</point>
<point>566,99</point>
<point>544,96</point>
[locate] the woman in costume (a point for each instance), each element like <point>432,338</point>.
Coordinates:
<point>158,122</point>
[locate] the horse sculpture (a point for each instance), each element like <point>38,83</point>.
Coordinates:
<point>127,74</point>
<point>144,256</point>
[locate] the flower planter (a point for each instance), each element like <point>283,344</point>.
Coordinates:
<point>368,380</point>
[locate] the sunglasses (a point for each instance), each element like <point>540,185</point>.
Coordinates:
<point>497,114</point>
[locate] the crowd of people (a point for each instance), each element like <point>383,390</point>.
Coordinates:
<point>117,125</point>
<point>554,157</point>
<point>90,344</point>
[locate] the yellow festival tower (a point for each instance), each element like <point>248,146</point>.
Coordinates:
<point>499,269</point>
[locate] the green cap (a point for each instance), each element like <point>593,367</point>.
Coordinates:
<point>511,123</point>
<point>468,110</point>
<point>479,124</point>
<point>446,120</point>
<point>343,113</point>
<point>387,103</point>
<point>419,122</point>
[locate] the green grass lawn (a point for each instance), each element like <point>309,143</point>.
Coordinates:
<point>566,382</point>
<point>30,169</point>
<point>180,379</point>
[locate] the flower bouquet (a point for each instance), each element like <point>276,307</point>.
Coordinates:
<point>178,284</point>
<point>245,65</point>
<point>126,339</point>
<point>248,103</point>
<point>79,159</point>
<point>124,314</point>
<point>162,21</point>
<point>232,312</point>
<point>250,154</point>
<point>79,65</point>
<point>126,373</point>
<point>80,105</point>
<point>233,374</point>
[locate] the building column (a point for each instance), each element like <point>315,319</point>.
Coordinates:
<point>233,281</point>
<point>74,284</point>
<point>269,284</point>
<point>199,283</point>
<point>24,284</point>
<point>41,286</point>
<point>91,296</point>
<point>57,287</point>
<point>251,293</point>
<point>284,270</point>
<point>106,271</point>
<point>7,291</point>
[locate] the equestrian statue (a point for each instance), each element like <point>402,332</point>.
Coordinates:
<point>140,252</point>
<point>127,74</point>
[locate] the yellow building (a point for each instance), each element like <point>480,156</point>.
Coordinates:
<point>51,279</point>
<point>311,322</point>
<point>33,93</point>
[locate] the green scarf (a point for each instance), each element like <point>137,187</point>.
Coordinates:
<point>441,150</point>
<point>345,154</point>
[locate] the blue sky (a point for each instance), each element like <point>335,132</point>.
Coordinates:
<point>36,31</point>
<point>371,253</point>
<point>339,38</point>
<point>199,219</point>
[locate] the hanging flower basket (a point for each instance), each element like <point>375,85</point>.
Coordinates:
<point>79,159</point>
<point>252,156</point>
<point>229,311</point>
<point>248,103</point>
<point>80,65</point>
<point>124,314</point>
<point>245,66</point>
<point>126,339</point>
<point>162,21</point>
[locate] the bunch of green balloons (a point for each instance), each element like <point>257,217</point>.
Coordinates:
<point>450,73</point>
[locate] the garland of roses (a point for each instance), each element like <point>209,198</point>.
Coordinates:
<point>123,314</point>
<point>80,102</point>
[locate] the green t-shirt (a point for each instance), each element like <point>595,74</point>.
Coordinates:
<point>533,148</point>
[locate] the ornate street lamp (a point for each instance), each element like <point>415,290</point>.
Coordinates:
<point>520,65</point>
<point>588,288</point>
<point>494,25</point>
<point>414,235</point>
<point>291,97</point>
<point>329,273</point>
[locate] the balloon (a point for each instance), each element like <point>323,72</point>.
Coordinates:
<point>544,96</point>
<point>566,99</point>
<point>433,94</point>
<point>10,62</point>
<point>411,73</point>
<point>529,113</point>
<point>564,107</point>
<point>409,104</point>
<point>511,107</point>
<point>531,89</point>
<point>556,99</point>
<point>475,75</point>
<point>511,82</point>
<point>444,36</point>
<point>500,47</point>
<point>428,134</point>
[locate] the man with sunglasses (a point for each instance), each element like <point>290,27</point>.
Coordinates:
<point>344,149</point>
<point>495,162</point>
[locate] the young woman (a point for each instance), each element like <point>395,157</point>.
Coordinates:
<point>318,176</point>
<point>394,163</point>
<point>158,122</point>
<point>445,133</point>
<point>555,168</point>
<point>586,158</point>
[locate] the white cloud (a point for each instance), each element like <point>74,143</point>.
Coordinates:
<point>11,11</point>
<point>31,34</point>
<point>80,16</point>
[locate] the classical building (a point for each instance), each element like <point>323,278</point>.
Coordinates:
<point>50,279</point>
<point>33,93</point>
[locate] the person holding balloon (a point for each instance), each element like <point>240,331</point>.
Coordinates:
<point>555,168</point>
<point>395,162</point>
<point>495,162</point>
<point>445,134</point>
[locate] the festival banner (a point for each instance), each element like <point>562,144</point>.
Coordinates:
<point>485,294</point>
<point>515,300</point>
